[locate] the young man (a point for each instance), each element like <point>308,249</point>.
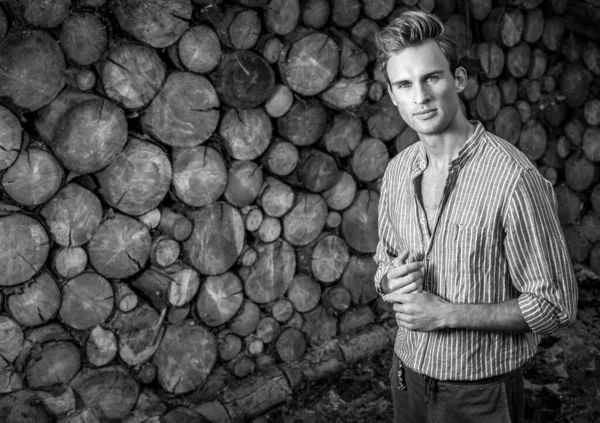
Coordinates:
<point>470,249</point>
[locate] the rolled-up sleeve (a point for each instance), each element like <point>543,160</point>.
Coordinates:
<point>539,263</point>
<point>382,256</point>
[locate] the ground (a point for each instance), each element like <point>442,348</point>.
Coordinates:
<point>562,381</point>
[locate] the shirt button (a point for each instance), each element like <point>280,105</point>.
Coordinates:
<point>428,257</point>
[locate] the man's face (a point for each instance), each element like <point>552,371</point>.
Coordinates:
<point>423,88</point>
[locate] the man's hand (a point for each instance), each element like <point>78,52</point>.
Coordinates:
<point>403,277</point>
<point>419,311</point>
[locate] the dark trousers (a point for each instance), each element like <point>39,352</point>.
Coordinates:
<point>500,399</point>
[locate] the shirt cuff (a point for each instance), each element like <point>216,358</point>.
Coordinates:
<point>539,314</point>
<point>381,272</point>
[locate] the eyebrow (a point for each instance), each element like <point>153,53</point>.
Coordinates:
<point>427,75</point>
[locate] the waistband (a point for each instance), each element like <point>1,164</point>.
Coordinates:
<point>467,383</point>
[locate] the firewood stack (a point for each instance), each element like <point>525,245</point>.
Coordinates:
<point>189,189</point>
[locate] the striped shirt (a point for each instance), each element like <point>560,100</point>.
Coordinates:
<point>496,237</point>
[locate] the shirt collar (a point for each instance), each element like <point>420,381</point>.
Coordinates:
<point>465,152</point>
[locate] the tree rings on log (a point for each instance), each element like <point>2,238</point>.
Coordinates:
<point>11,136</point>
<point>281,158</point>
<point>276,198</point>
<point>282,16</point>
<point>199,49</point>
<point>184,113</point>
<point>244,183</point>
<point>345,13</point>
<point>304,292</point>
<point>73,215</point>
<point>101,346</point>
<point>138,180</point>
<point>507,124</point>
<point>269,277</point>
<point>306,219</point>
<point>358,279</point>
<point>317,171</point>
<point>34,303</point>
<point>243,79</point>
<point>533,139</point>
<point>89,136</point>
<point>132,75</point>
<point>83,38</point>
<point>246,132</point>
<point>33,70</point>
<point>343,135</point>
<point>491,58</point>
<point>347,93</point>
<point>319,325</point>
<point>290,345</point>
<point>217,239</point>
<point>341,195</point>
<point>488,101</point>
<point>310,64</point>
<point>23,406</point>
<point>370,159</point>
<point>11,343</point>
<point>329,258</point>
<point>219,299</point>
<point>185,358</point>
<point>88,300</point>
<point>359,222</point>
<point>33,178</point>
<point>56,363</point>
<point>160,23</point>
<point>25,246</point>
<point>304,123</point>
<point>109,388</point>
<point>384,122</point>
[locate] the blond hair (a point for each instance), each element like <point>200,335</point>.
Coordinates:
<point>412,29</point>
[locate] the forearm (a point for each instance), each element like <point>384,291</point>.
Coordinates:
<point>505,316</point>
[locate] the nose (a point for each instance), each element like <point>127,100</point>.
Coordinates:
<point>421,93</point>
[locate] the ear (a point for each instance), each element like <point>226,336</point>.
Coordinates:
<point>389,87</point>
<point>460,78</point>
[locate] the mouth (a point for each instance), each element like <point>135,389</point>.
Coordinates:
<point>425,113</point>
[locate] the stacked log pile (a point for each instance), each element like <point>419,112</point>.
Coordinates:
<point>189,189</point>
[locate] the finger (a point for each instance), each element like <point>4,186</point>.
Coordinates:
<point>396,297</point>
<point>401,259</point>
<point>396,283</point>
<point>415,286</point>
<point>405,269</point>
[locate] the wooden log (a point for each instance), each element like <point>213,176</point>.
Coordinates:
<point>358,279</point>
<point>345,13</point>
<point>229,347</point>
<point>10,381</point>
<point>269,229</point>
<point>533,91</point>
<point>164,250</point>
<point>86,79</point>
<point>507,124</point>
<point>317,171</point>
<point>253,218</point>
<point>369,160</point>
<point>315,13</point>
<point>337,298</point>
<point>34,303</point>
<point>120,247</point>
<point>152,218</point>
<point>184,112</point>
<point>282,16</point>
<point>343,134</point>
<point>219,299</point>
<point>101,346</point>
<point>243,79</point>
<point>280,101</point>
<point>109,388</point>
<point>363,33</point>
<point>319,326</point>
<point>282,310</point>
<point>376,91</point>
<point>267,329</point>
<point>281,158</point>
<point>253,347</point>
<point>33,178</point>
<point>533,25</point>
<point>310,63</point>
<point>177,315</point>
<point>591,143</point>
<point>183,414</point>
<point>334,219</point>
<point>159,24</point>
<point>574,130</point>
<point>238,28</point>
<point>246,320</point>
<point>153,284</point>
<point>491,59</point>
<point>243,183</point>
<point>488,101</point>
<point>359,222</point>
<point>508,90</point>
<point>578,246</point>
<point>538,65</point>
<point>356,319</point>
<point>296,321</point>
<point>471,88</point>
<point>83,38</point>
<point>290,345</point>
<point>3,24</point>
<point>346,93</point>
<point>270,47</point>
<point>590,227</point>
<point>305,221</point>
<point>595,258</point>
<point>304,292</point>
<point>199,49</point>
<point>524,110</point>
<point>342,194</point>
<point>353,59</point>
<point>199,175</point>
<point>11,137</point>
<point>139,333</point>
<point>572,48</point>
<point>479,9</point>
<point>90,136</point>
<point>184,285</point>
<point>132,75</point>
<point>217,239</point>
<point>518,60</point>
<point>21,405</point>
<point>591,57</point>
<point>88,300</point>
<point>175,225</point>
<point>248,256</point>
<point>329,259</point>
<point>36,338</point>
<point>246,132</point>
<point>33,70</point>
<point>138,179</point>
<point>11,343</point>
<point>55,363</point>
<point>25,246</point>
<point>269,277</point>
<point>533,139</point>
<point>84,415</point>
<point>125,299</point>
<point>57,400</point>
<point>580,172</point>
<point>304,123</point>
<point>68,262</point>
<point>591,111</point>
<point>553,34</point>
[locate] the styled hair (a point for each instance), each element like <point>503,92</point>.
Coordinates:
<point>411,29</point>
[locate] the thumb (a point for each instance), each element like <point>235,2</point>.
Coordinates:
<point>401,259</point>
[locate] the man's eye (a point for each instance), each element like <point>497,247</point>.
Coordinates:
<point>433,78</point>
<point>403,85</point>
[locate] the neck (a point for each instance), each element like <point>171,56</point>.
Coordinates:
<point>442,148</point>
